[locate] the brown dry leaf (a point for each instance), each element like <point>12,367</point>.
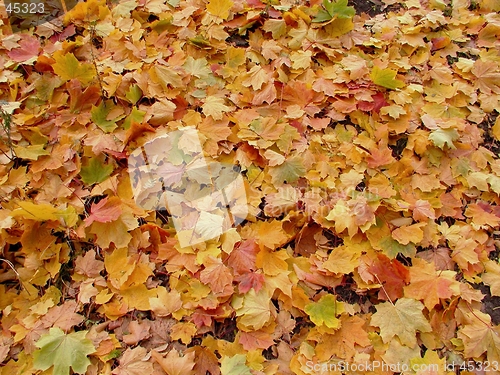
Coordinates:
<point>138,331</point>
<point>174,363</point>
<point>133,362</point>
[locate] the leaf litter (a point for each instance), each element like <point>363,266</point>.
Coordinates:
<point>367,134</point>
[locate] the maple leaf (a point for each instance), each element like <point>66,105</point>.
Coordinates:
<point>256,77</point>
<point>282,201</point>
<point>220,8</point>
<point>354,134</point>
<point>290,171</point>
<point>63,316</point>
<point>214,106</point>
<point>325,311</point>
<point>491,277</point>
<point>271,234</point>
<point>480,337</point>
<point>255,340</point>
<point>334,8</point>
<point>29,47</point>
<point>197,67</point>
<point>31,152</point>
<point>442,137</point>
<point>132,362</point>
<point>235,365</point>
<point>166,77</point>
<point>342,260</point>
<point>481,216</point>
<point>68,67</point>
<point>115,231</point>
<point>174,363</point>
<point>43,212</point>
<point>343,342</point>
<point>392,274</point>
<point>100,117</point>
<point>206,361</point>
<point>95,171</point>
<point>253,309</point>
<point>250,280</point>
<point>429,285</point>
<point>488,76</point>
<point>166,302</point>
<point>385,78</point>
<point>272,262</point>
<point>183,331</point>
<point>409,233</point>
<point>138,331</point>
<point>242,257</point>
<point>63,351</point>
<point>402,319</point>
<point>217,275</point>
<point>105,211</point>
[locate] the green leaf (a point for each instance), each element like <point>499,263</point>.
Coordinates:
<point>392,248</point>
<point>386,78</point>
<point>322,16</point>
<point>325,311</point>
<point>135,116</point>
<point>289,171</point>
<point>63,351</point>
<point>235,365</point>
<point>339,9</point>
<point>95,172</point>
<point>32,152</point>
<point>442,137</point>
<point>134,94</point>
<point>494,182</point>
<point>99,117</point>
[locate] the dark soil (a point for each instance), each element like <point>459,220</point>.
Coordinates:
<point>489,140</point>
<point>491,304</point>
<point>370,7</point>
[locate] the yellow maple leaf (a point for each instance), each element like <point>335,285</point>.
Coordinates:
<point>44,212</point>
<point>270,233</point>
<point>183,331</point>
<point>137,297</point>
<point>343,259</point>
<point>492,277</point>
<point>496,129</point>
<point>344,342</point>
<point>119,266</point>
<point>215,107</point>
<point>219,8</point>
<point>272,262</point>
<point>402,319</point>
<point>253,309</point>
<point>166,303</point>
<point>68,67</point>
<point>409,233</point>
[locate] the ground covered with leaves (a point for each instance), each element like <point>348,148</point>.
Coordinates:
<point>368,140</point>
